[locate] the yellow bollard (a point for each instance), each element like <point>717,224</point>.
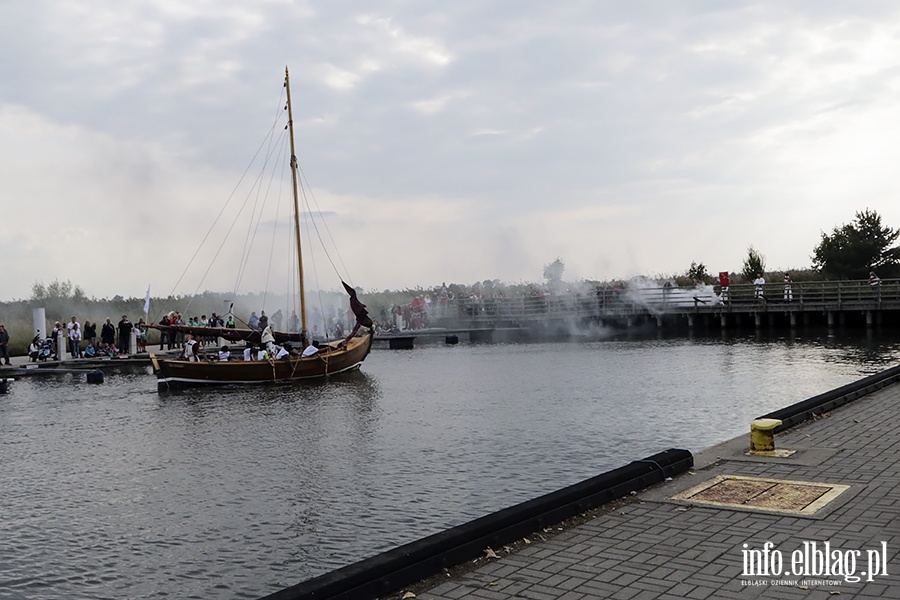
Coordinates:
<point>762,435</point>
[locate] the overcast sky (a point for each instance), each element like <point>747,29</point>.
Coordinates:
<point>448,142</point>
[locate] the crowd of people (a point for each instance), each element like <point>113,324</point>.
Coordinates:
<point>82,341</point>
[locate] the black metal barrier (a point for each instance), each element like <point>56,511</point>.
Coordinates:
<point>801,411</point>
<point>389,571</point>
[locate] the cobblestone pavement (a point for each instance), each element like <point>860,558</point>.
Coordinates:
<point>658,548</point>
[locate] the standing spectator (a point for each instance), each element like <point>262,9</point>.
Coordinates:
<point>164,333</point>
<point>125,328</point>
<point>4,345</point>
<point>54,338</point>
<point>254,321</point>
<point>875,284</point>
<point>788,294</point>
<point>759,285</point>
<point>177,337</point>
<point>724,283</point>
<point>141,331</point>
<point>72,323</point>
<point>90,333</point>
<point>263,320</point>
<point>108,333</point>
<point>75,340</point>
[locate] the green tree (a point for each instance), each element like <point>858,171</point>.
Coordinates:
<point>754,264</point>
<point>854,249</point>
<point>554,271</point>
<point>698,272</point>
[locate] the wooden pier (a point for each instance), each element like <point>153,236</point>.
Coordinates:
<point>830,303</point>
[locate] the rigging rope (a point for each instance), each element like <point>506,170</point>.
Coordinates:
<point>272,146</point>
<point>212,226</point>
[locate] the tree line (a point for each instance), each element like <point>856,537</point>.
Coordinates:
<point>850,251</point>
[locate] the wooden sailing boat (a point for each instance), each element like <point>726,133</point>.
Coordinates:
<point>324,359</point>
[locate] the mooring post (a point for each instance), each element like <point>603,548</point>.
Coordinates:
<point>62,346</point>
<point>762,434</point>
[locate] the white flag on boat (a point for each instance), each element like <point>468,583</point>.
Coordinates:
<point>147,301</point>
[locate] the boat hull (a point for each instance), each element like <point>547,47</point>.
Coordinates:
<point>330,360</point>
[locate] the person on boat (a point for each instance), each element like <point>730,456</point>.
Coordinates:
<point>249,353</point>
<point>191,349</point>
<point>310,350</point>
<point>224,354</point>
<point>280,352</point>
<point>267,338</point>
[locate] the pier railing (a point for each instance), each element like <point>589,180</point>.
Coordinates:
<point>634,299</point>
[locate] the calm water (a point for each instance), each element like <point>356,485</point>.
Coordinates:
<point>116,491</point>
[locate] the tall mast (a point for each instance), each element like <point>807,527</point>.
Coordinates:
<point>294,179</point>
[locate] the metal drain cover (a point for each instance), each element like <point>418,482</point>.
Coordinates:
<point>770,495</point>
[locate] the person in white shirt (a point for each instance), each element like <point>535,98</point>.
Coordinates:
<point>759,286</point>
<point>75,340</point>
<point>224,354</point>
<point>268,339</point>
<point>310,350</point>
<point>190,350</point>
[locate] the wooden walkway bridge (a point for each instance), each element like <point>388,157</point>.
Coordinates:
<point>829,303</point>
